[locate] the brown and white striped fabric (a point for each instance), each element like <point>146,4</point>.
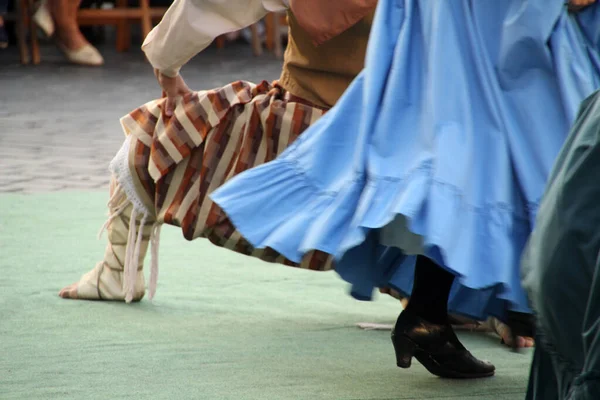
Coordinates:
<point>176,162</point>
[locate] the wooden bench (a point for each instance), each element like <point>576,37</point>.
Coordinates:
<point>123,16</point>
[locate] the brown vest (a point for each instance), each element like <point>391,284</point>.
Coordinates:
<point>320,74</point>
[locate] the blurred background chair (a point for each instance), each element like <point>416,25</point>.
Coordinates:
<point>21,16</point>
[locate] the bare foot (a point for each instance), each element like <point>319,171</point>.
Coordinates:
<point>504,332</point>
<point>69,292</point>
<point>525,342</point>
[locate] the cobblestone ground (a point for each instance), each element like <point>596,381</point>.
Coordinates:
<point>59,124</point>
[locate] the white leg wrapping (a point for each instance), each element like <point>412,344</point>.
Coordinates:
<point>131,227</point>
<point>119,276</point>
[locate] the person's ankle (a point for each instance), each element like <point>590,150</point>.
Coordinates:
<point>70,40</point>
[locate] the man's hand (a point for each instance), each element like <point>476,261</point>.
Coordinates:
<point>171,89</point>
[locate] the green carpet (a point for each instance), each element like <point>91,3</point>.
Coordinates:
<point>222,326</point>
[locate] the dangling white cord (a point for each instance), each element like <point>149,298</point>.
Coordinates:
<point>154,243</point>
<point>133,268</point>
<point>128,282</point>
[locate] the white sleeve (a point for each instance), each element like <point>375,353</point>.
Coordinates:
<point>189,26</point>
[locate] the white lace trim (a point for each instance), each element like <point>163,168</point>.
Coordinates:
<point>119,167</point>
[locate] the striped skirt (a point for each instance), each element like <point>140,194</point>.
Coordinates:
<point>169,166</point>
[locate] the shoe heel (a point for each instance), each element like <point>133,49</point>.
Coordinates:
<point>404,349</point>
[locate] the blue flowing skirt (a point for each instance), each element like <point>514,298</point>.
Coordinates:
<point>454,124</point>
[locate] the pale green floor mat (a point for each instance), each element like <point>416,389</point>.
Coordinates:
<point>222,326</point>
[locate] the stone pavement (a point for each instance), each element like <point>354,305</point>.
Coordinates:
<point>59,124</point>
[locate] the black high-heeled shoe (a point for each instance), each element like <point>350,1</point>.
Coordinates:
<point>437,348</point>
